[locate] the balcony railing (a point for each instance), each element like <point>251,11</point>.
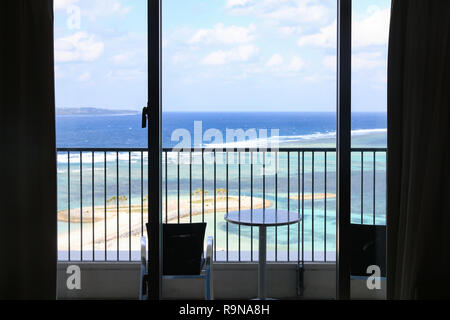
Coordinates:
<point>102,199</point>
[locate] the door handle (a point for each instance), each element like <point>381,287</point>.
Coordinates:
<point>145,115</point>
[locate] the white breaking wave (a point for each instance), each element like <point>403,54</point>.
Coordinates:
<point>276,141</point>
<point>269,142</point>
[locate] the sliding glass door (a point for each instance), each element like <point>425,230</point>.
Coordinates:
<point>247,93</point>
<point>370,34</point>
<point>100,86</point>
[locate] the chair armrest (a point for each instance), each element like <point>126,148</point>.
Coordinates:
<point>209,269</point>
<point>209,250</point>
<point>143,272</point>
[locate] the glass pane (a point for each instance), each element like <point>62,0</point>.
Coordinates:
<point>369,134</point>
<point>266,68</point>
<point>101,86</point>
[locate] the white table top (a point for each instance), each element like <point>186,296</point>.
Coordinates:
<point>260,217</point>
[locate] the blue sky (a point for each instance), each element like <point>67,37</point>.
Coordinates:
<point>218,55</point>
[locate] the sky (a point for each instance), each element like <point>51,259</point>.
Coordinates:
<point>219,55</point>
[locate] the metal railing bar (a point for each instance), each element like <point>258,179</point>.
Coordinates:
<point>142,193</point>
<point>288,202</point>
<point>303,206</point>
<point>104,189</point>
<point>167,195</point>
<point>93,210</point>
<point>239,206</point>
<point>276,206</point>
<point>226,161</point>
<point>108,150</point>
<point>81,205</point>
<point>362,187</point>
<point>117,203</point>
<point>366,150</point>
<point>190,187</point>
<point>298,206</point>
<point>203,185</point>
<point>369,149</point>
<point>178,186</point>
<point>68,202</point>
<point>215,208</point>
<point>325,211</point>
<point>312,203</point>
<point>247,150</point>
<point>251,205</point>
<point>264,186</point>
<point>374,180</point>
<point>129,205</point>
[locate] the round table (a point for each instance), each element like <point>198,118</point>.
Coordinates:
<point>262,218</point>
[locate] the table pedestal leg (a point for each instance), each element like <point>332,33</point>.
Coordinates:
<point>262,264</point>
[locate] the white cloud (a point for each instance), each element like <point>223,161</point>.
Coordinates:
<point>230,4</point>
<point>275,60</point>
<point>372,30</point>
<point>277,66</point>
<point>58,72</point>
<point>330,62</point>
<point>326,37</point>
<point>305,11</point>
<point>312,78</point>
<point>224,35</point>
<point>95,8</point>
<point>63,4</point>
<point>180,57</point>
<point>296,64</point>
<point>360,61</point>
<point>125,74</point>
<point>239,54</point>
<point>289,30</point>
<point>80,46</point>
<point>124,58</point>
<point>104,8</point>
<point>368,60</point>
<point>86,76</point>
<point>281,11</point>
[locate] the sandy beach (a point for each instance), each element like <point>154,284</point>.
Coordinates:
<point>120,222</point>
<point>317,196</point>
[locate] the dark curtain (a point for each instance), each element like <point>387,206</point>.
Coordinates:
<point>28,152</point>
<point>418,219</point>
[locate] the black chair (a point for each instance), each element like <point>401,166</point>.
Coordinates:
<point>182,255</point>
<point>368,245</point>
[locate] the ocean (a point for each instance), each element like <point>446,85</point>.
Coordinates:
<point>295,130</point>
<point>300,129</point>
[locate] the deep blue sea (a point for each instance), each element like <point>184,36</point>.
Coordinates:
<point>294,128</point>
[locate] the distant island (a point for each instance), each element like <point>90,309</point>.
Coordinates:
<point>92,111</point>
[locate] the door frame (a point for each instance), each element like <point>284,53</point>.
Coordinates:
<point>154,114</point>
<point>343,148</point>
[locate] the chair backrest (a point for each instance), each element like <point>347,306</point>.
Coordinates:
<point>368,244</point>
<point>183,248</point>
